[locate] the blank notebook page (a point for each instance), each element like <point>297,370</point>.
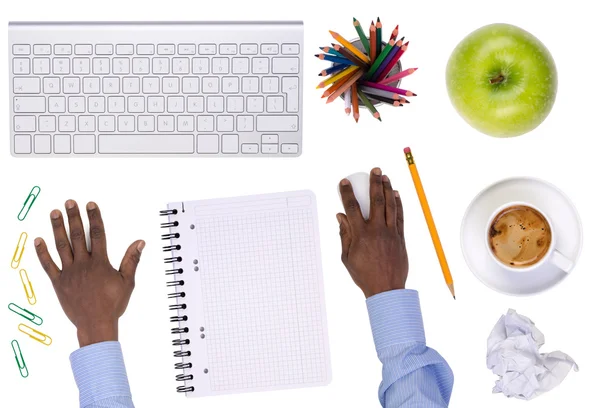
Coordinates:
<point>254,293</point>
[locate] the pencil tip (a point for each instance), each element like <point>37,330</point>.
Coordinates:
<point>378,20</point>
<point>454,297</point>
<point>353,18</point>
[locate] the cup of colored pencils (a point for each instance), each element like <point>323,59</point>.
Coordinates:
<point>365,72</point>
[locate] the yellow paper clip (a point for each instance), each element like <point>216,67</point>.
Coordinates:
<point>16,261</point>
<point>33,195</point>
<point>36,335</point>
<point>19,358</point>
<point>27,286</point>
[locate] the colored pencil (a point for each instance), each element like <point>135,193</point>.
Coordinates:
<point>429,219</point>
<point>349,46</point>
<point>378,26</point>
<point>348,101</point>
<point>386,94</point>
<point>380,59</point>
<point>347,54</point>
<point>336,86</point>
<point>373,42</point>
<point>397,76</point>
<point>389,88</point>
<point>394,34</point>
<point>355,109</point>
<point>392,62</point>
<point>332,69</point>
<point>330,50</point>
<point>388,63</point>
<point>369,105</point>
<point>386,100</point>
<point>337,77</point>
<point>332,58</point>
<point>403,49</point>
<point>362,36</point>
<point>347,84</point>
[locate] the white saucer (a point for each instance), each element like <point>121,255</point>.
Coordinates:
<point>552,201</point>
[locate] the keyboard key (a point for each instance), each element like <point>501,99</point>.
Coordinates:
<point>210,85</point>
<point>269,138</point>
<point>41,66</point>
<point>81,66</point>
<point>26,85</point>
<point>61,66</point>
<point>131,85</point>
<point>260,65</point>
<point>62,144</point>
<point>71,85</point>
<point>166,123</point>
<point>224,123</point>
<point>110,85</point>
<point>22,144</point>
<point>230,85</point>
<point>66,123</point>
<point>286,65</point>
<point>42,49</point>
<point>245,123</point>
<point>215,104</point>
<point>76,104</point>
<point>126,124</point>
<point>156,104</point>
<point>190,85</point>
<point>47,123</point>
<point>121,66</point>
<point>186,49</point>
<point>166,49</point>
<point>208,144</point>
<point>63,49</point>
<point>175,104</point>
<point>290,49</point>
<point>96,104</point>
<point>84,144</point>
<point>274,123</point>
<point>150,85</point>
<point>21,66</point>
<point>57,104</point>
<point>269,49</point>
<point>87,123</point>
<point>185,123</point>
<point>101,66</point>
<point>207,49</point>
<point>255,104</point>
<point>24,124</point>
<point>270,85</point>
<point>146,123</point>
<point>220,66</point>
<point>170,85</point>
<point>235,104</point>
<point>104,49</point>
<point>141,66</point>
<point>145,49</point>
<point>205,123</point>
<point>83,49</point>
<point>270,148</point>
<point>249,148</point>
<point>249,49</point>
<point>136,104</point>
<point>29,104</point>
<point>42,144</point>
<point>151,143</point>
<point>124,49</point>
<point>195,104</point>
<point>230,144</point>
<point>181,66</point>
<point>249,85</point>
<point>21,49</point>
<point>200,65</point>
<point>116,104</point>
<point>160,65</point>
<point>106,123</point>
<point>91,85</point>
<point>289,148</point>
<point>289,86</point>
<point>240,66</point>
<point>228,49</point>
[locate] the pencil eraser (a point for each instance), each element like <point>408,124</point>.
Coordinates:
<point>407,150</point>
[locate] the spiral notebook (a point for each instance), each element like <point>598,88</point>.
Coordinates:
<point>247,294</point>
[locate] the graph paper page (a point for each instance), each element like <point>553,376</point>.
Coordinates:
<point>255,299</point>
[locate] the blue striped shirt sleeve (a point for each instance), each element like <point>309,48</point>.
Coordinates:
<point>414,376</point>
<point>100,375</point>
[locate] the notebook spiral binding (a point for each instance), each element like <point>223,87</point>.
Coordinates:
<point>178,282</point>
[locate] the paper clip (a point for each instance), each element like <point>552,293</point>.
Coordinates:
<point>26,314</point>
<point>27,286</point>
<point>19,358</point>
<point>33,195</point>
<point>36,335</point>
<point>16,261</point>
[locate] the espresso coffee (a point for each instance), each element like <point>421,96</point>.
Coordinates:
<point>519,236</point>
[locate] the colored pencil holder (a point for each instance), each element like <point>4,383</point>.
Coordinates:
<point>397,68</point>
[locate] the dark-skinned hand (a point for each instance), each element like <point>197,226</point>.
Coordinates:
<point>374,250</point>
<point>91,292</point>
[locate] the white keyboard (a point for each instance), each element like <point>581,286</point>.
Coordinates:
<point>209,89</point>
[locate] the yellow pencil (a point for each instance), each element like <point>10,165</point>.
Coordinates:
<point>337,76</point>
<point>429,219</point>
<point>349,46</point>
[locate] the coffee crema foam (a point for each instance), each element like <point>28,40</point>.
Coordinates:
<point>520,236</point>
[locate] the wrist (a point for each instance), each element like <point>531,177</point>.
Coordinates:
<point>97,332</point>
<point>372,291</point>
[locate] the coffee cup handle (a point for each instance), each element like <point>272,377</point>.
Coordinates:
<point>561,261</point>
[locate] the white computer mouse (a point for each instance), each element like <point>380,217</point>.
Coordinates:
<point>360,185</point>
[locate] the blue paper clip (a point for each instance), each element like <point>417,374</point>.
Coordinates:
<point>33,195</point>
<point>19,359</point>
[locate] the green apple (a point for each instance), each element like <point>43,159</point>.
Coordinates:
<point>502,80</point>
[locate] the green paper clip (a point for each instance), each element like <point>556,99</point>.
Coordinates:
<point>33,195</point>
<point>19,359</point>
<point>26,314</point>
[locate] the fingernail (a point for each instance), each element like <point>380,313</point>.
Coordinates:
<point>37,242</point>
<point>339,218</point>
<point>55,215</point>
<point>377,171</point>
<point>397,194</point>
<point>141,246</point>
<point>70,204</point>
<point>386,179</point>
<point>345,182</point>
<point>91,206</point>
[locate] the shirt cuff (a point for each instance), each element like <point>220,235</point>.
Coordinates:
<point>396,318</point>
<point>99,372</point>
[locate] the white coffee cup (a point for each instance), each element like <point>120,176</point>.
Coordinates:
<point>552,256</point>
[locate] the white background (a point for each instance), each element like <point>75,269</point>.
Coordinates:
<point>455,162</point>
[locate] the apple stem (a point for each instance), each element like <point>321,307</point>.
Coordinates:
<point>497,79</point>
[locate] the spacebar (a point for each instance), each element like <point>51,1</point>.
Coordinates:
<point>150,143</point>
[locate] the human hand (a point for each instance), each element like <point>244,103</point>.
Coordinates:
<point>374,251</point>
<point>91,292</point>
